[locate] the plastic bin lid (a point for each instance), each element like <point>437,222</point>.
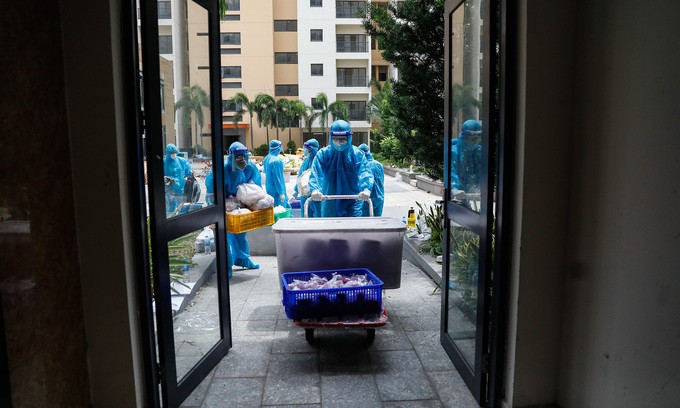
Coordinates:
<point>368,224</point>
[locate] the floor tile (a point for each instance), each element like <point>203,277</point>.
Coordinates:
<point>234,392</point>
<point>349,391</point>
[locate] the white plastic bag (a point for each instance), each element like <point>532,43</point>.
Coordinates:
<point>303,182</point>
<point>231,203</point>
<point>266,202</point>
<point>249,193</point>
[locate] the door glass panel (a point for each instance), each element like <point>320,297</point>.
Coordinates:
<point>185,93</point>
<point>465,103</point>
<point>193,283</point>
<point>463,290</point>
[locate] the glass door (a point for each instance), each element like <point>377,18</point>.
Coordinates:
<point>468,214</point>
<point>186,223</point>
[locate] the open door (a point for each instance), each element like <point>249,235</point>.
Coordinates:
<point>187,306</point>
<point>477,148</point>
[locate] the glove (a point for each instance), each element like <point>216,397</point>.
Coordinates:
<point>291,199</point>
<point>458,194</point>
<point>316,195</point>
<point>365,195</point>
<point>294,195</point>
<point>282,197</point>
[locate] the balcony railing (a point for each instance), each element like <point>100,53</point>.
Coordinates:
<point>357,114</point>
<point>351,46</point>
<point>349,9</point>
<point>353,80</point>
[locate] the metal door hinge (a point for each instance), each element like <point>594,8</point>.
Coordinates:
<point>159,373</point>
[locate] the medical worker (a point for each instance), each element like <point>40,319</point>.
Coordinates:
<point>340,169</point>
<point>378,190</point>
<point>176,170</point>
<point>466,160</point>
<point>239,170</point>
<point>309,150</point>
<point>209,189</point>
<point>273,171</point>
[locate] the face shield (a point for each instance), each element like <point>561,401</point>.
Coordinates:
<point>241,161</point>
<point>339,142</point>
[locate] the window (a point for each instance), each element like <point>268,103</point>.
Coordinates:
<point>316,105</point>
<point>357,110</point>
<point>351,43</point>
<point>231,85</point>
<point>315,3</point>
<point>352,77</point>
<point>164,10</point>
<point>231,17</point>
<point>229,51</point>
<point>349,9</point>
<point>285,58</point>
<point>285,25</point>
<point>315,35</point>
<point>162,95</point>
<point>382,72</point>
<point>233,5</point>
<point>231,106</point>
<point>202,34</point>
<point>230,38</point>
<point>231,72</point>
<point>165,44</point>
<point>286,90</point>
<point>228,119</point>
<point>317,69</point>
<point>374,43</point>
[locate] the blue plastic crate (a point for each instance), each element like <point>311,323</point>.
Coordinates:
<point>318,303</point>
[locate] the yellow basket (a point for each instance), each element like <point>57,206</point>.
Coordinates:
<point>238,223</point>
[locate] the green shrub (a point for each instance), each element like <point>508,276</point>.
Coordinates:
<point>292,147</point>
<point>261,150</point>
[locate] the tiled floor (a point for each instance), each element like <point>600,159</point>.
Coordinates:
<point>271,364</point>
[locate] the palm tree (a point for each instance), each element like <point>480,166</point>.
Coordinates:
<point>282,108</point>
<point>298,110</point>
<point>265,106</point>
<point>193,100</point>
<point>337,110</point>
<point>246,106</point>
<point>375,109</point>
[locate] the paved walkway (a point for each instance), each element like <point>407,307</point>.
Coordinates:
<point>271,364</point>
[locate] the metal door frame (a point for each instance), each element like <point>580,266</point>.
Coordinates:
<point>159,362</point>
<point>486,377</point>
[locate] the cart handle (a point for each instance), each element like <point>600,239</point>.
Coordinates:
<point>340,197</point>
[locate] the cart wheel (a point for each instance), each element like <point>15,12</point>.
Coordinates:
<point>309,335</point>
<point>371,336</point>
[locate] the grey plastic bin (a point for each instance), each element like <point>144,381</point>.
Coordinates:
<point>315,244</point>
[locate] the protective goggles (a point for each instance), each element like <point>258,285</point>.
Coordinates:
<point>237,151</point>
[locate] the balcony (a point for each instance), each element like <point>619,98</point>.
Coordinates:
<point>349,9</point>
<point>354,80</point>
<point>351,46</point>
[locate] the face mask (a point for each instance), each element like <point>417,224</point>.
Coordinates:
<point>339,146</point>
<point>241,162</point>
<point>305,152</point>
<point>173,156</point>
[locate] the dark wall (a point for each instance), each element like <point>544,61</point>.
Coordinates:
<point>39,269</point>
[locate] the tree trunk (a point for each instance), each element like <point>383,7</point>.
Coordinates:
<point>252,140</point>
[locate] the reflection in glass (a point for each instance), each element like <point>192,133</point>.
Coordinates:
<point>188,143</point>
<point>465,104</point>
<point>193,282</point>
<point>463,290</point>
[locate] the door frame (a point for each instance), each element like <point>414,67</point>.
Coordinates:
<point>486,378</point>
<point>159,367</point>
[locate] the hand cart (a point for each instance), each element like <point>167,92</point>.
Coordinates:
<point>368,321</point>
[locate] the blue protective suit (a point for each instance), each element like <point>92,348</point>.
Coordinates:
<point>273,170</point>
<point>314,210</point>
<point>466,162</point>
<point>340,172</point>
<point>177,168</point>
<point>209,189</point>
<point>378,190</point>
<point>239,250</point>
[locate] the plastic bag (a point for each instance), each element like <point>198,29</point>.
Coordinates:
<point>266,202</point>
<point>303,182</point>
<point>231,203</point>
<point>249,193</point>
<point>397,176</point>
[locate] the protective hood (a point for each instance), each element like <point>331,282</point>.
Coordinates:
<point>236,149</point>
<point>170,149</point>
<point>274,147</point>
<point>313,146</point>
<point>367,152</point>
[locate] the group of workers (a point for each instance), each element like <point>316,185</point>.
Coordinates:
<point>337,169</point>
